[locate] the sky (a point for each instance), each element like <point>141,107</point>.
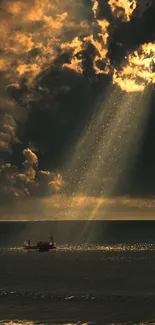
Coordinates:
<point>76,107</point>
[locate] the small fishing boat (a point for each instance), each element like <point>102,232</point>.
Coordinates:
<point>41,246</point>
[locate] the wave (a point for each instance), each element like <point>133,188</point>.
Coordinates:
<point>75,297</point>
<point>3,322</point>
<point>40,323</point>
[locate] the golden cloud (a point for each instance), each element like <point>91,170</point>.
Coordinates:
<point>30,35</point>
<point>122,9</point>
<point>137,73</point>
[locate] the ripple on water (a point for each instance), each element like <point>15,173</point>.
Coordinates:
<point>123,247</point>
<point>40,323</point>
<point>17,323</point>
<point>106,248</point>
<point>62,323</point>
<point>132,323</point>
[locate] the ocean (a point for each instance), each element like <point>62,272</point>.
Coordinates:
<point>101,273</point>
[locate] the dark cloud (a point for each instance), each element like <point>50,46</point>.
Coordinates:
<point>50,84</point>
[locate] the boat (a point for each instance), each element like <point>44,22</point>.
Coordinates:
<point>41,246</point>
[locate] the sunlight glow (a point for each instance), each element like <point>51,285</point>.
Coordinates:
<point>107,150</point>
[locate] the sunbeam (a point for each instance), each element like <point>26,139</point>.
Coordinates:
<point>108,148</point>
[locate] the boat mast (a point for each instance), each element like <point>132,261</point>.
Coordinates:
<point>52,240</point>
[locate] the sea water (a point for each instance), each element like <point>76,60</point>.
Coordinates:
<point>101,273</point>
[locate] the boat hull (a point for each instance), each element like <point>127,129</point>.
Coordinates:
<point>40,248</point>
<point>44,249</point>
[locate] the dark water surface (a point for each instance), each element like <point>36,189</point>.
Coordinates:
<point>101,273</point>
